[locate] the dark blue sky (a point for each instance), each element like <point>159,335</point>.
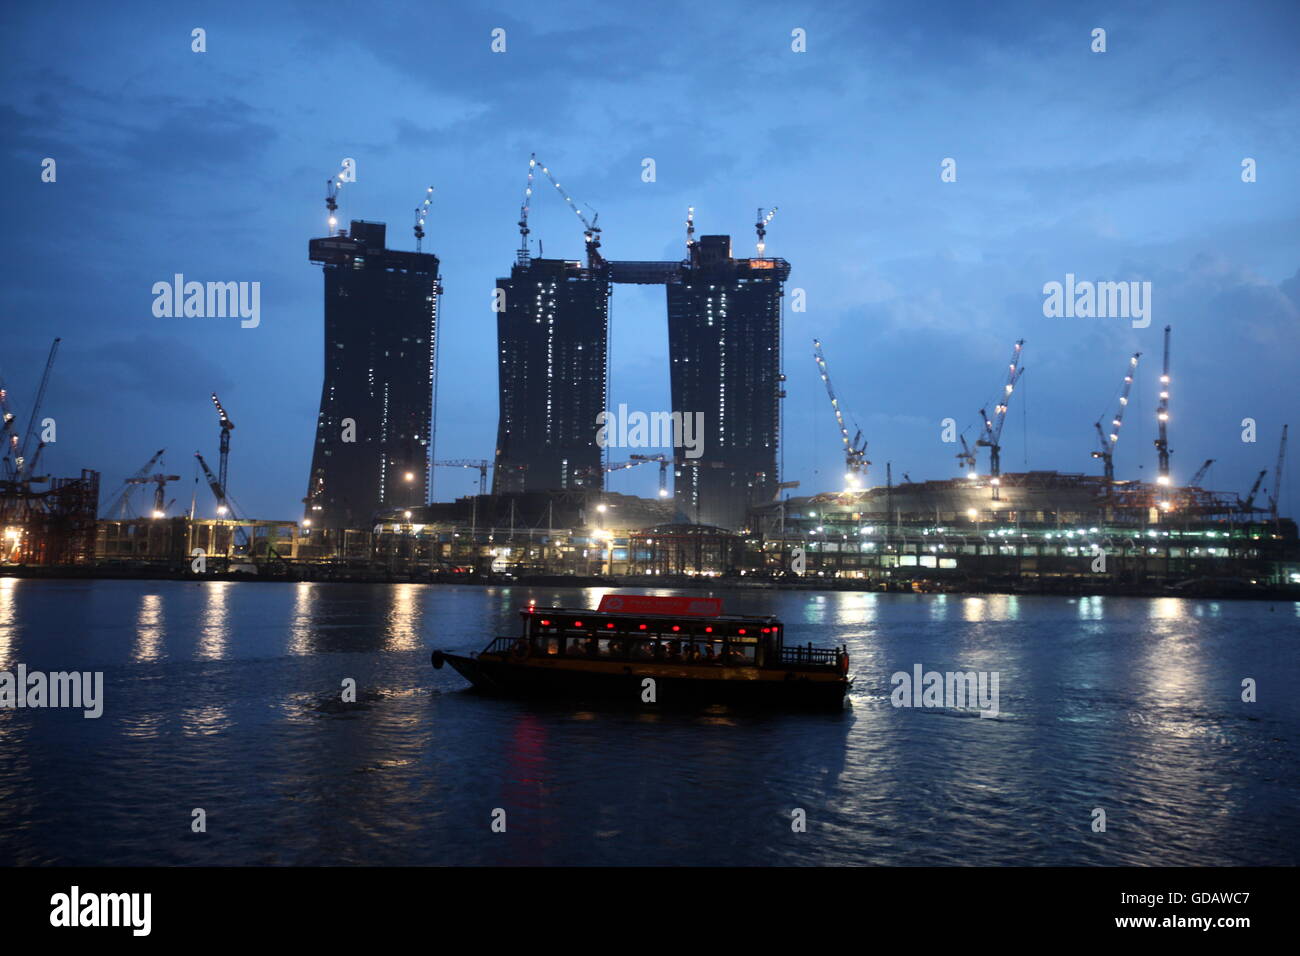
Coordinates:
<point>1122,165</point>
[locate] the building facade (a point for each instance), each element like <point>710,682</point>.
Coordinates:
<point>724,343</point>
<point>373,430</point>
<point>552,342</point>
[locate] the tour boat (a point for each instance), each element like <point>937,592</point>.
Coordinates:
<point>662,650</point>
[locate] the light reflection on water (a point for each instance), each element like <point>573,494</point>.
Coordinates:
<point>229,696</point>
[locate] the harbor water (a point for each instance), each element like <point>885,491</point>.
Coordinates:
<point>229,699</point>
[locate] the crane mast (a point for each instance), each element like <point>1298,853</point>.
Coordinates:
<point>1107,452</point>
<point>855,450</point>
<point>223,465</point>
<point>992,436</point>
<point>1277,476</point>
<point>761,228</point>
<point>1162,422</point>
<point>421,211</point>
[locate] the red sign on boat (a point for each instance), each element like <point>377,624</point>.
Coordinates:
<point>669,606</point>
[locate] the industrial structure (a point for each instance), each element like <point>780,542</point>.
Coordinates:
<point>374,430</point>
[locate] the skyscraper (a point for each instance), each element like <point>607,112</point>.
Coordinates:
<point>724,342</point>
<point>373,431</point>
<point>551,351</point>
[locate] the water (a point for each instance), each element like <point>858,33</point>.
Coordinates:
<point>227,697</point>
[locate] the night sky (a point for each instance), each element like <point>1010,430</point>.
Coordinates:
<point>1117,165</point>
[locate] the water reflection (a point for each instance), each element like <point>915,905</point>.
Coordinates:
<point>149,632</point>
<point>8,589</point>
<point>300,627</point>
<point>214,632</point>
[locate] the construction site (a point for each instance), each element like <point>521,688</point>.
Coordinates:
<point>539,519</point>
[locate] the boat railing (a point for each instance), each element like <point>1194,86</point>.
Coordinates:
<point>809,655</point>
<point>500,645</point>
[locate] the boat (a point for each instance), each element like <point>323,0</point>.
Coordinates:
<point>665,650</point>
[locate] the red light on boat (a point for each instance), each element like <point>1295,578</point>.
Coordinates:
<point>708,630</point>
<point>767,630</point>
<point>741,631</point>
<point>577,624</point>
<point>544,623</point>
<point>676,628</point>
<point>609,626</point>
<point>641,626</point>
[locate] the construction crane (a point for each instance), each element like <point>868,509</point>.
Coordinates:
<point>1162,421</point>
<point>591,231</point>
<point>223,464</point>
<point>224,505</point>
<point>690,231</point>
<point>482,464</point>
<point>522,256</point>
<point>1249,503</point>
<point>664,463</point>
<point>966,459</point>
<point>761,227</point>
<point>332,186</point>
<point>1107,452</point>
<point>160,491</point>
<point>1276,496</point>
<point>992,435</point>
<point>21,458</point>
<point>8,437</point>
<point>121,501</point>
<point>855,449</point>
<point>1200,473</point>
<point>421,211</point>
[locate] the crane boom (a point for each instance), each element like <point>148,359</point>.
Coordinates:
<point>591,231</point>
<point>421,211</point>
<point>1249,503</point>
<point>1200,473</point>
<point>992,435</point>
<point>1107,452</point>
<point>36,408</point>
<point>855,450</point>
<point>1276,496</point>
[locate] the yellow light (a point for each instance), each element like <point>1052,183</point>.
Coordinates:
<point>970,513</point>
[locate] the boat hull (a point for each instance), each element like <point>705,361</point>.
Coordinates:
<point>674,685</point>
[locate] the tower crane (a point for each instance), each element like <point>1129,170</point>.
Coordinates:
<point>21,458</point>
<point>421,211</point>
<point>761,227</point>
<point>224,505</point>
<point>522,256</point>
<point>591,231</point>
<point>121,500</point>
<point>8,437</point>
<point>332,186</point>
<point>664,462</point>
<point>1200,473</point>
<point>1249,503</point>
<point>1276,496</point>
<point>690,231</point>
<point>992,435</point>
<point>855,449</point>
<point>482,464</point>
<point>966,458</point>
<point>223,465</point>
<point>1162,421</point>
<point>1107,452</point>
<point>160,492</point>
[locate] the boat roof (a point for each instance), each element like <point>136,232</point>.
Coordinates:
<point>626,606</point>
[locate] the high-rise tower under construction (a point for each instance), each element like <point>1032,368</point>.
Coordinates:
<point>373,431</point>
<point>724,342</point>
